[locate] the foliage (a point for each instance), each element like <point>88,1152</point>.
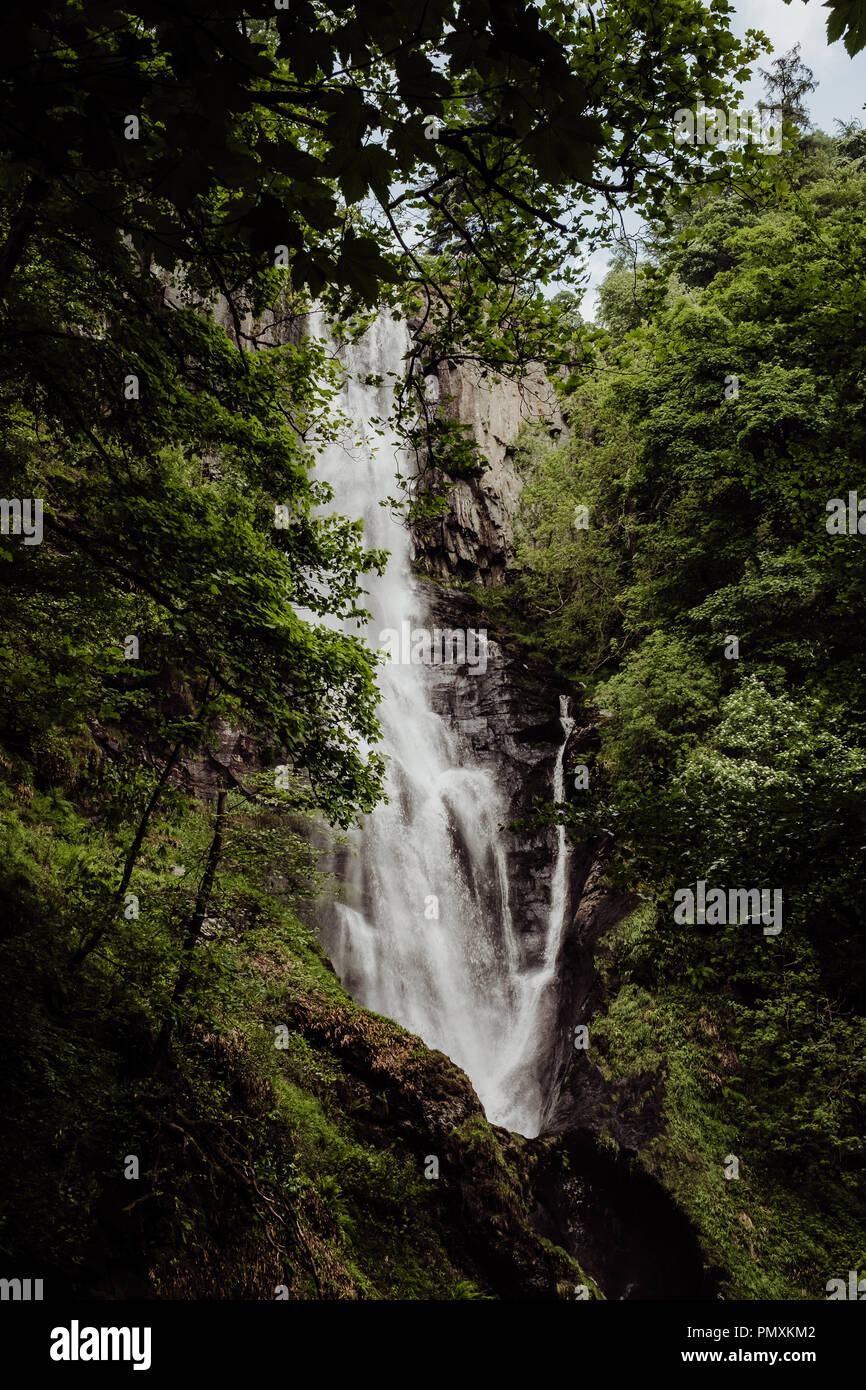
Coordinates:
<point>706,440</point>
<point>255,1171</point>
<point>181,182</point>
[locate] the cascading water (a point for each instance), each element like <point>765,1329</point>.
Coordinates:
<point>425,932</point>
<point>558,903</point>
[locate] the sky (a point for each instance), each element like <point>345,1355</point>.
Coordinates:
<point>841,80</point>
<point>841,92</point>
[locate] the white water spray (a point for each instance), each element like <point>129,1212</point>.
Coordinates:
<point>425,934</point>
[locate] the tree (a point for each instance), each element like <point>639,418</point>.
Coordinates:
<point>712,620</point>
<point>179,180</point>
<point>622,301</point>
<point>307,129</point>
<point>787,83</point>
<point>706,445</point>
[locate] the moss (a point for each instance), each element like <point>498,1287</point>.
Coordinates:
<point>773,1241</point>
<point>261,1167</point>
<point>477,1137</point>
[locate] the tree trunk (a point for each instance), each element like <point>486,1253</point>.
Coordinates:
<point>196,922</point>
<point>19,231</point>
<point>134,850</point>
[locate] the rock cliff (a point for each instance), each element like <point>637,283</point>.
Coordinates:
<point>507,719</point>
<point>473,541</point>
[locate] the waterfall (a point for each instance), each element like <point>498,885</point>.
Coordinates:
<point>558,903</point>
<point>424,933</point>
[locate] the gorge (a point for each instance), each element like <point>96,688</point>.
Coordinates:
<point>268,1035</point>
<point>476,936</point>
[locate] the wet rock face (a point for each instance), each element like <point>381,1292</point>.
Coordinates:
<point>506,720</point>
<point>473,541</point>
<point>402,1097</point>
<point>239,755</point>
<point>633,1239</point>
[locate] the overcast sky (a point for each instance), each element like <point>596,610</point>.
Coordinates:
<point>841,80</point>
<point>841,92</point>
